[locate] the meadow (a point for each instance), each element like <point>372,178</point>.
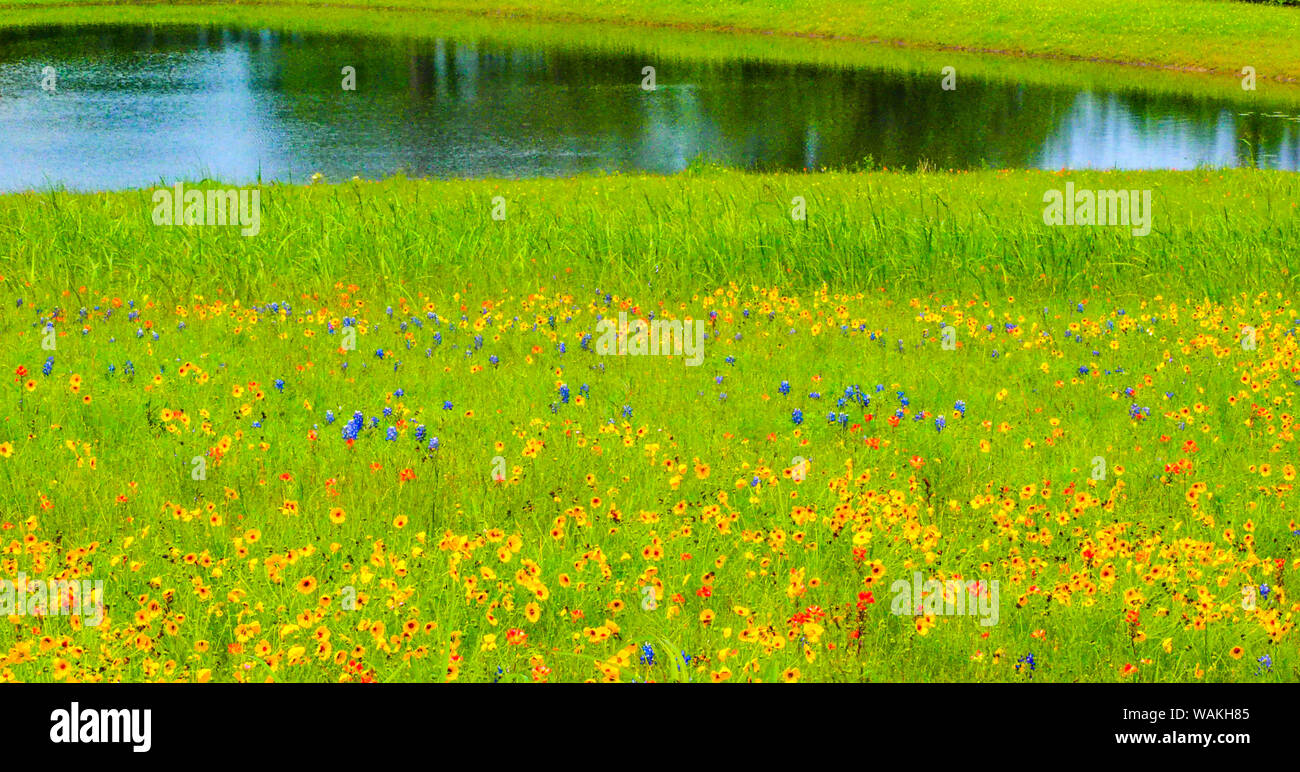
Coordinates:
<point>379,441</point>
<point>376,442</point>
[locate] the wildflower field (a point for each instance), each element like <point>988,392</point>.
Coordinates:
<point>377,442</point>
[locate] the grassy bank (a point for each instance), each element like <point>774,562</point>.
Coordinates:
<point>1199,36</point>
<point>603,29</point>
<point>1213,233</point>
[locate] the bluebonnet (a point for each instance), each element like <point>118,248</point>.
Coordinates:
<point>797,416</point>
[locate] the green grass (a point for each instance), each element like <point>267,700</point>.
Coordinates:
<point>240,573</point>
<point>1122,467</point>
<point>1214,233</point>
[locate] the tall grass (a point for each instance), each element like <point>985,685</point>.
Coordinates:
<point>1215,233</point>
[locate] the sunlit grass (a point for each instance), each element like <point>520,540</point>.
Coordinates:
<point>627,473</point>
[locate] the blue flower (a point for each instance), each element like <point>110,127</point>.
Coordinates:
<point>784,388</point>
<point>797,416</point>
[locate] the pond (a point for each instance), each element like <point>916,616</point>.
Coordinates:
<point>103,108</point>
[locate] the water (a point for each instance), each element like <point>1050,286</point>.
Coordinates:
<point>135,106</point>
